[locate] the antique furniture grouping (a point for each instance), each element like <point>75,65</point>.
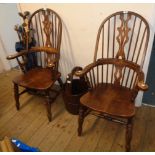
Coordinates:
<point>116,75</point>
<point>39,78</point>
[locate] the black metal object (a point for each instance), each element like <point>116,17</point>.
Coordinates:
<point>74,88</point>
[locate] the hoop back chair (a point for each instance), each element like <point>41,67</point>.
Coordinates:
<point>46,28</point>
<point>116,75</point>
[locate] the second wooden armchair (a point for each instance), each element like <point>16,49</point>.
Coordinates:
<point>116,75</point>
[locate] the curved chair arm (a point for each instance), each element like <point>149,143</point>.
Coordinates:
<point>82,72</point>
<point>92,65</point>
<point>79,73</point>
<point>49,50</point>
<point>52,63</point>
<point>16,55</point>
<point>141,84</point>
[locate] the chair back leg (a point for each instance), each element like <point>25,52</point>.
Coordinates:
<point>16,95</point>
<point>48,106</point>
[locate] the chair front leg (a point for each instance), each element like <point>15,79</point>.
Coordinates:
<point>129,134</point>
<point>48,106</point>
<point>81,120</point>
<point>16,95</point>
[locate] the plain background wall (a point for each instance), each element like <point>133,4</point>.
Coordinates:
<point>4,64</point>
<point>9,18</point>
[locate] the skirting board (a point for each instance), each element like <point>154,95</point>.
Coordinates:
<point>149,105</point>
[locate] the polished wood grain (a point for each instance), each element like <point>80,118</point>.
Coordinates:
<point>34,78</point>
<point>40,78</point>
<point>115,77</point>
<point>98,99</point>
<point>32,127</point>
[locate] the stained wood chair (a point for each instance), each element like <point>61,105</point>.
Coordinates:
<point>116,75</point>
<point>47,27</point>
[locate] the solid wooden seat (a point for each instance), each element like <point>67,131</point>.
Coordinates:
<point>33,79</point>
<point>109,99</point>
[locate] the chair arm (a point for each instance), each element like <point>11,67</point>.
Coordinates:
<point>49,50</point>
<point>52,63</point>
<point>79,73</point>
<point>82,72</point>
<point>16,55</point>
<point>141,84</point>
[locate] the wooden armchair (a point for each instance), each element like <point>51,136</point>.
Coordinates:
<point>45,56</point>
<point>116,75</point>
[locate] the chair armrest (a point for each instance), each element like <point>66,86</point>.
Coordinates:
<point>79,73</point>
<point>82,72</point>
<point>141,84</point>
<point>49,50</point>
<point>16,55</point>
<point>52,63</point>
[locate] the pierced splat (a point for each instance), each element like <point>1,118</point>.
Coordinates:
<point>118,74</point>
<point>123,38</point>
<point>50,61</point>
<point>47,28</point>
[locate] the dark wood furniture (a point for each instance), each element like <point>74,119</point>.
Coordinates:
<point>47,30</point>
<point>73,90</point>
<point>116,75</point>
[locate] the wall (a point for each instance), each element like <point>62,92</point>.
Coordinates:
<point>9,18</point>
<point>80,26</point>
<point>4,64</point>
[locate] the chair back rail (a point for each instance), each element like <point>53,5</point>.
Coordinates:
<point>47,31</point>
<point>95,73</point>
<point>125,36</point>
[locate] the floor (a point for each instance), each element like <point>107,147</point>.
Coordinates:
<point>31,125</point>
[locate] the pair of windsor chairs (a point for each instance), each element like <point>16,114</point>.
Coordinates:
<point>114,78</point>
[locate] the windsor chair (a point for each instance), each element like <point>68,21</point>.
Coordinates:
<point>47,30</point>
<point>116,75</point>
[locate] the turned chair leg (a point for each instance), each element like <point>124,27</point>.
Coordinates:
<point>60,83</point>
<point>129,134</point>
<point>16,95</point>
<point>80,120</point>
<point>48,106</point>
